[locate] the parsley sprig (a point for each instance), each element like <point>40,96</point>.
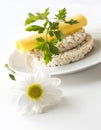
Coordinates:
<point>51,28</point>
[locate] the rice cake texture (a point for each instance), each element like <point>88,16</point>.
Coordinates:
<point>73,48</point>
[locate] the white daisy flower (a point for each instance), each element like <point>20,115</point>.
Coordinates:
<point>37,92</point>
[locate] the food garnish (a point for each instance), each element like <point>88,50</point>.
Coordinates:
<point>50,29</point>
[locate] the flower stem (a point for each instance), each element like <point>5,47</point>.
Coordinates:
<point>7,67</point>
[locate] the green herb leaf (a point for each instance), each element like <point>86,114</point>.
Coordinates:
<point>38,16</point>
<point>42,16</point>
<point>51,33</point>
<point>35,28</point>
<point>31,18</point>
<point>59,35</point>
<point>40,39</point>
<point>53,25</point>
<point>48,48</point>
<point>61,14</point>
<point>53,48</point>
<point>41,44</point>
<point>47,56</point>
<point>72,21</point>
<point>46,23</point>
<point>12,77</point>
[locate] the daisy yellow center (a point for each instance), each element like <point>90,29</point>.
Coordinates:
<point>35,91</point>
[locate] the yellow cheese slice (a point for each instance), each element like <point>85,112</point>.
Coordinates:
<point>30,42</point>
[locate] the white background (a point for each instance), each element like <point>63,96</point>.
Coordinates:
<point>81,107</point>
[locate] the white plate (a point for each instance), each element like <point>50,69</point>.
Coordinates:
<point>18,62</point>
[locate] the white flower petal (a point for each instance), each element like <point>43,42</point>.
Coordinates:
<point>23,100</point>
<point>50,82</point>
<point>54,82</point>
<point>41,75</point>
<point>51,92</point>
<point>51,97</point>
<point>30,79</point>
<point>20,76</point>
<point>37,109</point>
<point>28,107</point>
<point>32,108</point>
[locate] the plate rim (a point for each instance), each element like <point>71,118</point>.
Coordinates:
<point>61,72</point>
